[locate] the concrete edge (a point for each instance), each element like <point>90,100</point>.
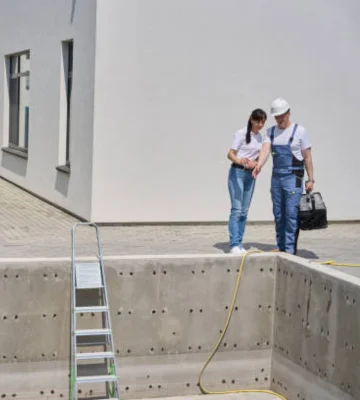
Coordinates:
<point>132,257</point>
<point>327,270</point>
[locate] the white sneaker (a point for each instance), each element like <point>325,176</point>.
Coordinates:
<point>238,250</point>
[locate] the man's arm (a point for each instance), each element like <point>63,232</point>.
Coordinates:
<point>309,186</point>
<point>263,156</point>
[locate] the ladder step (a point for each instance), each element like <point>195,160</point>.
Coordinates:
<point>96,378</point>
<point>94,355</point>
<point>88,275</point>
<point>92,332</point>
<point>91,309</point>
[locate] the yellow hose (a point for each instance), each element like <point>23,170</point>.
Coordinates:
<point>203,389</point>
<point>336,264</point>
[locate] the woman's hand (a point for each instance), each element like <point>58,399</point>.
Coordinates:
<point>243,161</point>
<point>251,164</point>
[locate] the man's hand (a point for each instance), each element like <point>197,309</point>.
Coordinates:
<point>256,171</point>
<point>309,186</point>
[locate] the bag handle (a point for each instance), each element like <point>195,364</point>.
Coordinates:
<point>310,198</point>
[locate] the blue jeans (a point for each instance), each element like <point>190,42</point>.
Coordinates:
<point>241,188</point>
<point>286,193</point>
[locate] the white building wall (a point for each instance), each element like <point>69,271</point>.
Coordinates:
<point>40,26</point>
<point>175,79</point>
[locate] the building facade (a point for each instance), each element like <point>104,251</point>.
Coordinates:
<point>124,110</point>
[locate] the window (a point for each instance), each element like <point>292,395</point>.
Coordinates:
<point>19,100</point>
<point>68,63</point>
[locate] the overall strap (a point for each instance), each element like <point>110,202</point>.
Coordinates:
<point>293,134</point>
<point>272,134</point>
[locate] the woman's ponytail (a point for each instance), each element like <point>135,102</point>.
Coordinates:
<point>248,132</point>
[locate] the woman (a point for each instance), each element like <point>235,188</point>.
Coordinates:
<point>243,154</point>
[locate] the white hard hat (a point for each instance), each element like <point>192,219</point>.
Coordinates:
<point>279,106</point>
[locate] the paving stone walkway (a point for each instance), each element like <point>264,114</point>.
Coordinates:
<point>30,227</point>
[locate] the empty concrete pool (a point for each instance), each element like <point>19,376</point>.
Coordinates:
<point>294,328</point>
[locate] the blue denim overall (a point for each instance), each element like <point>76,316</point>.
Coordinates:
<point>286,190</point>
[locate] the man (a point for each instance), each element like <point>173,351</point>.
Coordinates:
<point>291,151</point>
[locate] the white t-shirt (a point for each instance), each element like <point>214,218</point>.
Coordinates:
<point>247,150</point>
<point>281,136</point>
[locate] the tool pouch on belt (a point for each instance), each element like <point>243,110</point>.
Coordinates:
<point>312,212</point>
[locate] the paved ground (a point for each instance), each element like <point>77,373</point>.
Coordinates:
<point>30,227</point>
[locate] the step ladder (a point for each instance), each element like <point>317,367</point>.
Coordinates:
<point>90,277</point>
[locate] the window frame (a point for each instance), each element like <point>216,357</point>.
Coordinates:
<point>14,113</point>
<point>69,83</point>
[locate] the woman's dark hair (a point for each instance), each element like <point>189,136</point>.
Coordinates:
<point>256,115</point>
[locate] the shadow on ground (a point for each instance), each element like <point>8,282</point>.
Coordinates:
<point>224,246</point>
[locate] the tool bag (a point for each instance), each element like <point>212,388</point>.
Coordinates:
<point>312,212</point>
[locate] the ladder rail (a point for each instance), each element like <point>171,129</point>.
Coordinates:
<point>107,320</point>
<point>73,371</point>
<point>73,234</point>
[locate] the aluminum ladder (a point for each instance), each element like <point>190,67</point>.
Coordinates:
<point>91,276</point>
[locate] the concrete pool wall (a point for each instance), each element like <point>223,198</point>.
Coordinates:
<point>294,329</point>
